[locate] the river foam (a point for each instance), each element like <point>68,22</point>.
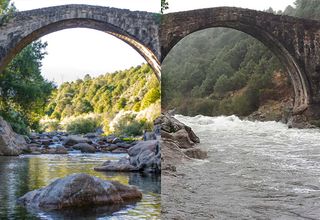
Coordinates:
<point>255,169</point>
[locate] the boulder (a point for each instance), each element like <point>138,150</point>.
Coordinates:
<point>122,165</point>
<point>148,136</point>
<point>108,139</point>
<point>74,139</point>
<point>181,137</point>
<point>145,156</point>
<point>171,125</point>
<point>124,145</point>
<point>45,141</point>
<point>84,147</point>
<point>55,139</point>
<point>79,190</point>
<point>120,151</point>
<point>178,143</point>
<point>91,135</point>
<point>11,144</point>
<point>108,147</point>
<point>54,150</point>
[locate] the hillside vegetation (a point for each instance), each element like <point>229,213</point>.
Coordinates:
<point>130,96</point>
<point>222,71</point>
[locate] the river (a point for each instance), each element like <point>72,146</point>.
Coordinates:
<point>254,170</point>
<point>20,175</point>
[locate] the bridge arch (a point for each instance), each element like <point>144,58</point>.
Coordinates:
<point>254,23</point>
<point>138,29</point>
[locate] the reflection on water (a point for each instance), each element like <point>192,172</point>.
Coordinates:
<point>19,175</point>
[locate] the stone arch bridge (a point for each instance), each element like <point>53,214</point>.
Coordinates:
<point>295,41</point>
<point>138,29</point>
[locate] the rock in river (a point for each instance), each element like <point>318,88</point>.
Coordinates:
<point>122,165</point>
<point>75,139</point>
<point>11,144</point>
<point>84,147</point>
<point>80,190</point>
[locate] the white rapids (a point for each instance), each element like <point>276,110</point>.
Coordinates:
<point>255,170</point>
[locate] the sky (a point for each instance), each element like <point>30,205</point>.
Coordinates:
<point>73,53</point>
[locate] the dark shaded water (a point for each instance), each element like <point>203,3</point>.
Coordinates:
<point>19,175</point>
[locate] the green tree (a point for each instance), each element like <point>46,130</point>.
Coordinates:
<point>24,91</point>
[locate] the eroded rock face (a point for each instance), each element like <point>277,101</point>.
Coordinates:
<point>11,144</point>
<point>146,156</point>
<point>178,143</point>
<point>80,190</point>
<point>172,128</point>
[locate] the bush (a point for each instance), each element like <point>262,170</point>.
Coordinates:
<point>16,120</point>
<point>49,125</point>
<point>242,106</point>
<point>129,126</point>
<point>82,125</point>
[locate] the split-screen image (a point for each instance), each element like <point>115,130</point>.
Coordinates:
<point>149,109</point>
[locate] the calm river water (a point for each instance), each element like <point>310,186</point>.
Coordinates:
<point>19,175</point>
<point>255,170</point>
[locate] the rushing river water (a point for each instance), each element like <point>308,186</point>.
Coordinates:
<point>22,174</point>
<point>255,170</point>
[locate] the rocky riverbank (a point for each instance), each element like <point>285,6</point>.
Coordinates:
<point>62,143</point>
<point>178,143</point>
<point>11,144</point>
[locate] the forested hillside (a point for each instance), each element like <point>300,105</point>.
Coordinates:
<point>103,98</point>
<point>222,71</point>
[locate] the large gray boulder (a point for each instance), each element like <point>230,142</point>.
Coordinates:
<point>145,156</point>
<point>11,144</point>
<point>80,190</point>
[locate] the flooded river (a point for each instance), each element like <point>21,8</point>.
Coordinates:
<point>255,170</point>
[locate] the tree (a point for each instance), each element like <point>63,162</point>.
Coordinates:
<point>6,10</point>
<point>24,91</point>
<point>164,5</point>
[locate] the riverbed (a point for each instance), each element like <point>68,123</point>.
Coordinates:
<point>20,175</point>
<point>254,170</point>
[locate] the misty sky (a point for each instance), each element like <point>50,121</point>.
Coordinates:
<point>73,53</point>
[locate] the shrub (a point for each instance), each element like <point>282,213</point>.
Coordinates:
<point>129,126</point>
<point>16,120</point>
<point>150,97</point>
<point>82,125</point>
<point>49,125</point>
<point>242,106</point>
